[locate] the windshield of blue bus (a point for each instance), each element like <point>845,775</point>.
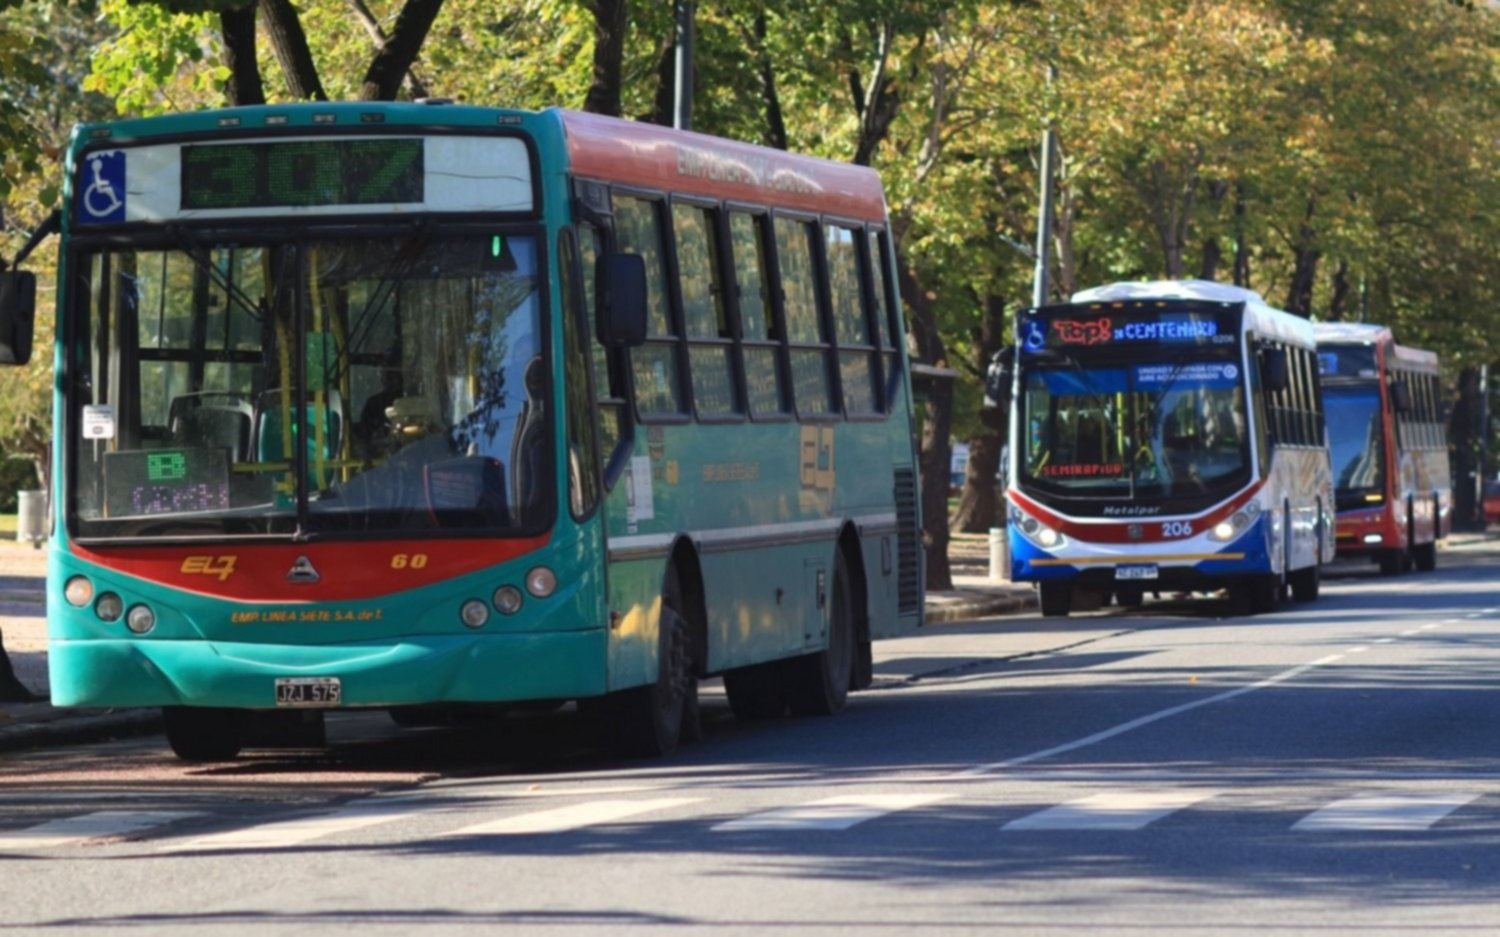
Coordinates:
<point>1134,430</point>
<point>392,385</point>
<point>1355,438</point>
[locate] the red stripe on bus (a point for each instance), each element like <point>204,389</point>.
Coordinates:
<point>346,571</point>
<point>1119,531</point>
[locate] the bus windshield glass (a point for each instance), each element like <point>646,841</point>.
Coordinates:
<point>1154,428</point>
<point>1355,438</point>
<point>376,385</point>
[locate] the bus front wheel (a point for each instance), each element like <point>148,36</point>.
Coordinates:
<point>1306,582</point>
<point>1056,599</point>
<point>653,718</point>
<point>198,733</point>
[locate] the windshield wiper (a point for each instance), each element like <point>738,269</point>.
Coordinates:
<point>194,250</point>
<point>407,255</point>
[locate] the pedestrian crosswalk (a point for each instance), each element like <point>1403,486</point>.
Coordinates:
<point>410,817</point>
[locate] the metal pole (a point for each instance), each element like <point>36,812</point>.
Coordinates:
<point>1039,285</point>
<point>682,89</point>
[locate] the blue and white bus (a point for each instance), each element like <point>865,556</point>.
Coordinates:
<point>1167,436</point>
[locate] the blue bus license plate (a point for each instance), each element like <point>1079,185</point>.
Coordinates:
<point>1138,571</point>
<point>308,691</point>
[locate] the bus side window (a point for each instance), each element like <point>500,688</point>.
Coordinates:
<point>609,379</point>
<point>858,358</point>
<point>809,346</point>
<point>887,322</point>
<point>710,342</point>
<point>765,366</point>
<point>583,456</point>
<point>656,365</point>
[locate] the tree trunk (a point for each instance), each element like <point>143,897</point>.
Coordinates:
<point>611,20</point>
<point>244,86</point>
<point>1466,481</point>
<point>664,105</point>
<point>1341,292</point>
<point>414,84</point>
<point>1213,255</point>
<point>775,120</point>
<point>936,450</point>
<point>1241,245</point>
<point>1299,294</point>
<point>394,59</point>
<point>289,43</point>
<point>979,503</point>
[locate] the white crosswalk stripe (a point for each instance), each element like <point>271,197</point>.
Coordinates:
<point>1384,812</point>
<point>832,813</point>
<point>101,824</point>
<point>286,833</point>
<point>563,819</point>
<point>1115,810</point>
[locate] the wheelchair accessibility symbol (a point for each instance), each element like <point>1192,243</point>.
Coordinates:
<point>1035,335</point>
<point>103,197</point>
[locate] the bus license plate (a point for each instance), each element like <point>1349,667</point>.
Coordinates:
<point>1140,571</point>
<point>308,691</point>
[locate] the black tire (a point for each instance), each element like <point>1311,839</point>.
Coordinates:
<point>1425,556</point>
<point>818,684</point>
<point>756,693</point>
<point>1056,599</point>
<point>1265,593</point>
<point>1306,583</point>
<point>651,717</point>
<point>1392,561</point>
<point>1130,596</point>
<point>199,733</point>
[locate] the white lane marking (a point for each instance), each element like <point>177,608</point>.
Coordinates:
<point>1358,650</point>
<point>1384,812</point>
<point>562,819</point>
<point>1384,640</point>
<point>831,813</point>
<point>1429,626</point>
<point>285,833</point>
<point>98,825</point>
<point>1475,615</point>
<point>1118,810</point>
<point>1409,632</point>
<point>1146,720</point>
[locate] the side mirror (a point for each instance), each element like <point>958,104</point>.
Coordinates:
<point>17,314</point>
<point>998,378</point>
<point>1401,396</point>
<point>1275,374</point>
<point>622,315</point>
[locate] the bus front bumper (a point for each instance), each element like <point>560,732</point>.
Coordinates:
<point>406,671</point>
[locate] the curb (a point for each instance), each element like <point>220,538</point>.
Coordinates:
<point>71,730</point>
<point>968,609</point>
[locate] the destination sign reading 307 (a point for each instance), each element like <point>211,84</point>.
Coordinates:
<point>302,173</point>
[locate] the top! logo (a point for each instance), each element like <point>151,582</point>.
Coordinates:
<point>1076,332</point>
<point>103,195</point>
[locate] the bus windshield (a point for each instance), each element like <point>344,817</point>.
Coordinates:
<point>1116,430</point>
<point>1355,438</point>
<point>385,385</point>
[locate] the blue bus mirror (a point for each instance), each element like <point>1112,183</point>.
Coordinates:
<point>1275,375</point>
<point>17,314</point>
<point>622,316</point>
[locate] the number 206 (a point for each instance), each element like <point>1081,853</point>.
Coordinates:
<point>1177,529</point>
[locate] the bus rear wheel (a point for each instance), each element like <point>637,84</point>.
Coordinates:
<point>1306,583</point>
<point>198,733</point>
<point>818,684</point>
<point>1424,555</point>
<point>1392,561</point>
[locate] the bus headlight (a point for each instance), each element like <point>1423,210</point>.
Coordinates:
<point>109,607</point>
<point>1227,530</point>
<point>474,613</point>
<point>541,582</point>
<point>79,591</point>
<point>1048,537</point>
<point>507,600</point>
<point>140,619</point>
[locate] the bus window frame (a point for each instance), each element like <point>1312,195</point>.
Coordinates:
<point>568,242</point>
<point>661,201</point>
<point>874,352</point>
<point>893,328</point>
<point>719,229</point>
<point>812,224</point>
<point>760,218</point>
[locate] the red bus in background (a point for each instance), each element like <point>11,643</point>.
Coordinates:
<point>1388,444</point>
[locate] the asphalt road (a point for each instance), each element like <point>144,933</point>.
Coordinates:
<point>1332,768</point>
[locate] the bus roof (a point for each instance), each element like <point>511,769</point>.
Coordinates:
<point>680,161</point>
<point>1260,316</point>
<point>1361,333</point>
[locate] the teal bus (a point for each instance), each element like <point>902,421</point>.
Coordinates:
<point>428,407</point>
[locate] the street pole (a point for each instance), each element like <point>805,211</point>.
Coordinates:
<point>1039,285</point>
<point>682,89</point>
